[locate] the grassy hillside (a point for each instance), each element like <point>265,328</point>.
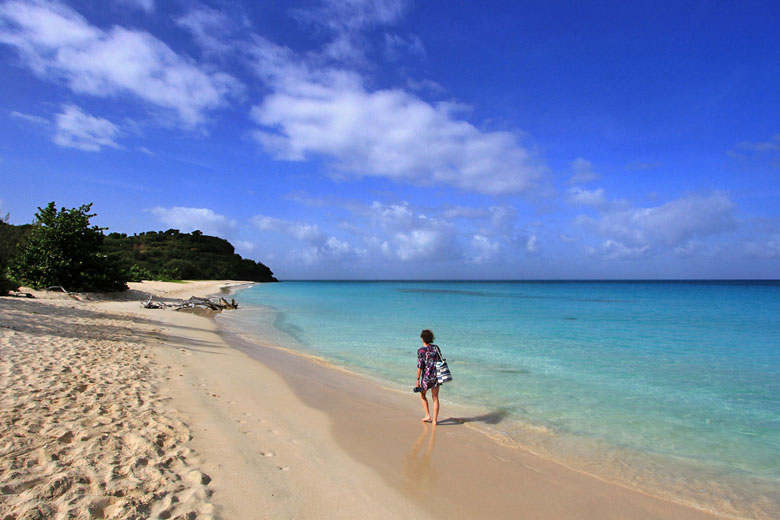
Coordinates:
<point>164,255</point>
<point>175,255</point>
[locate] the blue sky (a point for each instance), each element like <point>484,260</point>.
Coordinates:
<point>403,139</point>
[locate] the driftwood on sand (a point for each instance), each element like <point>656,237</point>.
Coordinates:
<point>59,288</point>
<point>194,302</point>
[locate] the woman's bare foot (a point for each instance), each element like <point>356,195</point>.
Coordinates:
<point>426,419</point>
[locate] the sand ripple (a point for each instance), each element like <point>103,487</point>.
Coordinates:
<point>83,431</point>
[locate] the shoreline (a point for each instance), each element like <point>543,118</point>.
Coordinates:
<point>695,484</point>
<point>279,435</point>
<point>327,387</point>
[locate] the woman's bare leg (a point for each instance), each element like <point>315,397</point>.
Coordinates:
<point>427,417</point>
<point>435,396</point>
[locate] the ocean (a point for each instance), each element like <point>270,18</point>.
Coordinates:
<point>668,387</point>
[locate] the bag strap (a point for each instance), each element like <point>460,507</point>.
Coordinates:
<point>438,351</point>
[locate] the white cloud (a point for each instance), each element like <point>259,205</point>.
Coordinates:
<point>387,133</point>
<point>464,212</point>
<point>189,219</point>
<point>36,120</point>
<point>244,247</point>
<point>319,246</point>
<point>582,172</point>
<point>338,247</point>
<point>532,244</point>
<point>75,129</point>
<point>483,249</point>
<point>208,27</point>
<point>59,44</point>
<point>613,250</point>
<point>397,47</point>
<point>145,5</point>
<point>503,218</point>
<point>426,86</point>
<point>634,232</point>
<point>418,244</point>
<point>411,236</point>
<point>580,196</point>
<point>341,16</point>
<point>298,230</point>
<point>345,21</point>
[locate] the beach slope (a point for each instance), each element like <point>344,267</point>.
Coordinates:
<point>110,410</point>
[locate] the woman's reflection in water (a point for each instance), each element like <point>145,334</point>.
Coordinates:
<point>418,470</point>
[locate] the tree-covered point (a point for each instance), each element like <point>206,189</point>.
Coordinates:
<point>175,255</point>
<point>62,248</point>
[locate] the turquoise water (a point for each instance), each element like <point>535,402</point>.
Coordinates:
<point>667,386</point>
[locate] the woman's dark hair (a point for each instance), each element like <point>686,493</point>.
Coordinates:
<point>427,336</point>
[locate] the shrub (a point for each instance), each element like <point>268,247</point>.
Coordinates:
<point>63,249</point>
<point>138,273</point>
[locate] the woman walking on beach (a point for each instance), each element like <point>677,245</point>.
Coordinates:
<point>427,355</point>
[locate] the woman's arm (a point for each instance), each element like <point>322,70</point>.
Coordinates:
<point>419,372</point>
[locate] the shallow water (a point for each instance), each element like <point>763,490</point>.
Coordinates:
<point>667,386</point>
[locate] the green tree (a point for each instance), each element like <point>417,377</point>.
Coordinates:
<point>63,249</point>
<point>9,237</point>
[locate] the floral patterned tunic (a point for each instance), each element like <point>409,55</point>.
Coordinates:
<point>427,356</point>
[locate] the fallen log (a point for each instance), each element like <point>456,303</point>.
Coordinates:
<point>59,288</point>
<point>194,302</point>
<point>149,304</point>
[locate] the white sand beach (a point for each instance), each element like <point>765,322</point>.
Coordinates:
<point>109,410</point>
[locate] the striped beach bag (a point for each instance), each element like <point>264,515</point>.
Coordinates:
<point>443,374</point>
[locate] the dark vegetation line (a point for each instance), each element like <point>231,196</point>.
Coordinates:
<point>61,248</point>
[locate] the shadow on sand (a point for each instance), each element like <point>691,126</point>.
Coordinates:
<point>494,417</point>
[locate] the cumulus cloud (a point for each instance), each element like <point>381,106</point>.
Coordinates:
<point>189,219</point>
<point>483,249</point>
<point>635,232</point>
<point>582,172</point>
<point>75,129</point>
<point>614,250</point>
<point>768,248</point>
<point>388,133</point>
<point>298,230</point>
<point>502,218</point>
<point>411,236</point>
<point>208,27</point>
<point>400,233</point>
<point>318,246</point>
<point>60,45</point>
<point>584,197</point>
<point>346,20</point>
